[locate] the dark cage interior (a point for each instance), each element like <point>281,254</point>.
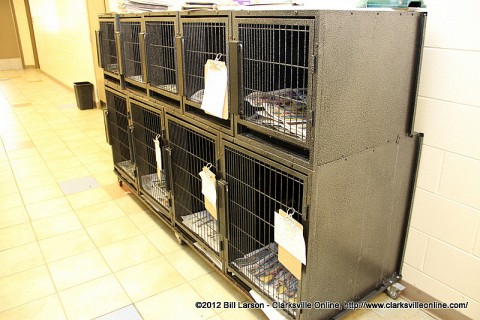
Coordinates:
<point>119,132</point>
<point>161,55</point>
<point>203,41</point>
<point>191,151</point>
<point>256,191</point>
<point>147,128</point>
<point>275,76</point>
<point>131,50</point>
<point>108,47</point>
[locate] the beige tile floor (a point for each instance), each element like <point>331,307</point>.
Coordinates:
<point>89,253</point>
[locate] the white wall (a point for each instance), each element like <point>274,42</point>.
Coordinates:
<point>63,39</point>
<point>443,251</point>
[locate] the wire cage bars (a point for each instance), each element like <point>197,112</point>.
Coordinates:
<point>161,55</point>
<point>119,131</point>
<point>275,75</point>
<point>203,41</point>
<point>108,46</point>
<point>132,55</point>
<point>148,128</point>
<point>191,151</point>
<point>257,190</point>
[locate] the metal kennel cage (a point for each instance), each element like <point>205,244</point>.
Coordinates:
<point>153,177</point>
<point>192,149</point>
<point>257,189</point>
<point>132,41</point>
<point>275,56</point>
<point>161,43</point>
<point>204,38</point>
<point>108,49</point>
<point>119,131</point>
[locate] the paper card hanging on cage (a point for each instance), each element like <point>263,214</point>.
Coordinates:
<point>288,233</point>
<point>209,190</point>
<point>158,156</point>
<point>215,95</point>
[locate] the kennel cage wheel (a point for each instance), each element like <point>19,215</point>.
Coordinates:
<point>120,182</point>
<point>179,239</point>
<point>394,291</point>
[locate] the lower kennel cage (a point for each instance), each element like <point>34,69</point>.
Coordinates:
<point>133,53</point>
<point>162,61</point>
<point>120,135</point>
<point>203,39</point>
<point>192,149</point>
<point>152,163</point>
<point>257,189</point>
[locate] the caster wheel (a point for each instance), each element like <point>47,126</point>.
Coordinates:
<point>179,239</point>
<point>393,291</point>
<point>120,182</point>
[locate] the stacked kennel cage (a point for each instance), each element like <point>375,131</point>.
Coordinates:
<point>205,36</point>
<point>108,50</point>
<point>194,146</point>
<point>165,81</point>
<point>327,94</point>
<point>119,132</point>
<point>153,168</point>
<point>323,105</point>
<point>132,44</point>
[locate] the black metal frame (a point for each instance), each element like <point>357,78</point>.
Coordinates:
<point>275,90</point>
<point>191,149</point>
<point>203,36</point>
<point>108,50</point>
<point>258,187</point>
<point>148,124</point>
<point>132,38</point>
<point>120,135</point>
<point>163,59</point>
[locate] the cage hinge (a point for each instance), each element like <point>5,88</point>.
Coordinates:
<point>312,119</point>
<point>135,172</point>
<point>307,213</point>
<point>221,245</point>
<point>315,63</point>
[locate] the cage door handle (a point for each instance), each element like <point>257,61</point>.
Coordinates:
<point>236,54</point>
<point>180,45</point>
<point>99,51</point>
<point>143,53</point>
<point>107,130</point>
<point>167,155</point>
<point>119,51</point>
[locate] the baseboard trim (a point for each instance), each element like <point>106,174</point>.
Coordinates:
<point>57,81</point>
<point>414,294</point>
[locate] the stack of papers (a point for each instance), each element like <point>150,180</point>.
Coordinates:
<point>134,6</point>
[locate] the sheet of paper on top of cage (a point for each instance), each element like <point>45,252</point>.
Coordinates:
<point>209,191</point>
<point>288,233</point>
<point>215,95</point>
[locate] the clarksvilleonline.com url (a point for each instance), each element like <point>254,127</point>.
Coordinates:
<point>333,305</point>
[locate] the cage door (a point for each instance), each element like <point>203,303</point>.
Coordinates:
<point>120,133</point>
<point>133,50</point>
<point>108,47</point>
<point>277,67</point>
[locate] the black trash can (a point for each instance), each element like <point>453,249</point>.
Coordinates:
<point>84,95</point>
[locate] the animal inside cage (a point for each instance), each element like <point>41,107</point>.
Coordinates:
<point>203,41</point>
<point>275,76</point>
<point>191,151</point>
<point>132,52</point>
<point>258,190</point>
<point>147,130</point>
<point>108,47</point>
<point>119,132</point>
<point>161,55</point>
